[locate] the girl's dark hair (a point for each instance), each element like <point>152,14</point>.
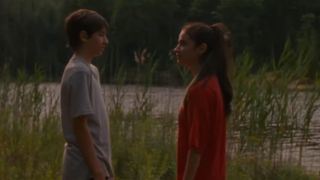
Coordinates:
<point>82,20</point>
<point>218,57</point>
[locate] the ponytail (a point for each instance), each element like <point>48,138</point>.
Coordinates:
<point>217,61</point>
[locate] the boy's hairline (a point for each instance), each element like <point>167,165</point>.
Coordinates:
<point>103,26</point>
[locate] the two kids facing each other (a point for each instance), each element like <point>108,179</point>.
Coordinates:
<point>204,50</point>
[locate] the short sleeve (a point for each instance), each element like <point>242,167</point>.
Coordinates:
<point>80,103</point>
<point>95,72</point>
<point>199,114</point>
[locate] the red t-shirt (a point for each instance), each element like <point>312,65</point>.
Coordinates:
<point>202,126</point>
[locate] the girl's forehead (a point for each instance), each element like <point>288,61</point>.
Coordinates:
<point>183,35</point>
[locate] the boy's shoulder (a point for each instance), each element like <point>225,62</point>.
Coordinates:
<point>77,65</point>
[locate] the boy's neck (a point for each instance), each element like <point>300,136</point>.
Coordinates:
<point>84,55</point>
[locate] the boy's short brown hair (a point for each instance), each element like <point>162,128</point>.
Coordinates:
<point>82,20</point>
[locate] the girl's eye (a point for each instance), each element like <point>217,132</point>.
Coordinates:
<point>182,44</point>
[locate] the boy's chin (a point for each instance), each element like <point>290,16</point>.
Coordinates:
<point>99,54</point>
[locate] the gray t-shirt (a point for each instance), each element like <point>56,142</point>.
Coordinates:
<point>81,94</point>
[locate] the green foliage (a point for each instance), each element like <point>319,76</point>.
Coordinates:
<point>263,26</point>
<point>143,145</point>
<point>247,168</point>
<point>272,109</point>
<point>30,134</point>
<point>32,31</point>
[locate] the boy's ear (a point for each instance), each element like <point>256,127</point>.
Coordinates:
<point>83,36</point>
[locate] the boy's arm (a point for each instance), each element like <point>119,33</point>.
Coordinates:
<point>87,147</point>
<point>192,164</point>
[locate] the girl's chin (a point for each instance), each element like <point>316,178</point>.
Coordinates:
<point>180,62</point>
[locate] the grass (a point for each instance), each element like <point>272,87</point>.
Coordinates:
<point>30,140</point>
<point>248,168</point>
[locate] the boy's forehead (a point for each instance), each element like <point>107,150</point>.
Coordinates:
<point>101,30</point>
<point>104,30</point>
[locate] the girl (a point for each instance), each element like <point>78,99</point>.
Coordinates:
<point>206,51</point>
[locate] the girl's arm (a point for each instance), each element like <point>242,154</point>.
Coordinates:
<point>192,164</point>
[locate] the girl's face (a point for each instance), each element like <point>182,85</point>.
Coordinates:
<point>186,51</point>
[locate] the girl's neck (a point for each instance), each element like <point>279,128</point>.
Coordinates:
<point>195,69</point>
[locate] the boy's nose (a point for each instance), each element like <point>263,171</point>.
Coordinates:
<point>106,40</point>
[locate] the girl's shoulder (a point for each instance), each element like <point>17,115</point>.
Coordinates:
<point>207,84</point>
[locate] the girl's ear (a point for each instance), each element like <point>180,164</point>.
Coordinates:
<point>83,36</point>
<point>202,48</point>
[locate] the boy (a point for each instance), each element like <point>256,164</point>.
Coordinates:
<point>85,124</point>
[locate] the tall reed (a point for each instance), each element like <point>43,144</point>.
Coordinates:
<point>273,109</point>
<point>29,137</point>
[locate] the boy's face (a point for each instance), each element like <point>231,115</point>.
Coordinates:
<point>97,42</point>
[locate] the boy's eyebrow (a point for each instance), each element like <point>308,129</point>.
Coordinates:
<point>103,30</point>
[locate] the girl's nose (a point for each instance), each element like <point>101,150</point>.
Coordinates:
<point>175,50</point>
